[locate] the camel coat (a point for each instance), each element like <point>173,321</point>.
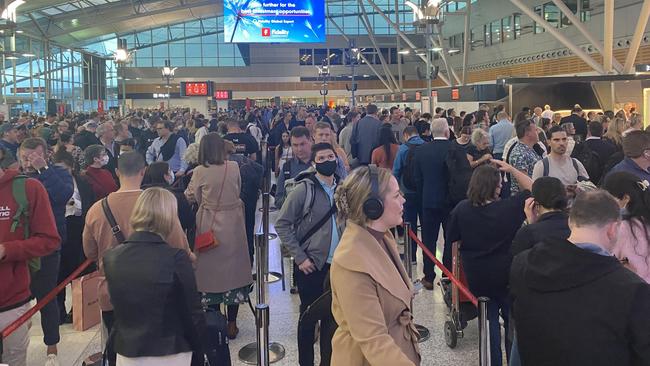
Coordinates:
<point>226,267</point>
<point>371,300</point>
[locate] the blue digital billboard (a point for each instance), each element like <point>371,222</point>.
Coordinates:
<point>274,21</point>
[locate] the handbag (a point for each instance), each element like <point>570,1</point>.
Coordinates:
<point>85,302</point>
<point>206,240</point>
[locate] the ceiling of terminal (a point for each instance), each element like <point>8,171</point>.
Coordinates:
<point>77,22</point>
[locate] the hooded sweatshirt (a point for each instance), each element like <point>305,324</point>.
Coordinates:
<point>576,307</point>
<point>43,239</point>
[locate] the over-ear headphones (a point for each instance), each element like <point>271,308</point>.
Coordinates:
<point>373,206</point>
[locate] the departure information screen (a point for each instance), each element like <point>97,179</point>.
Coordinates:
<point>274,21</point>
<point>201,88</point>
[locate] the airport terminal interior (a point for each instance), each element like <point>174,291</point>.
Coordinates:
<point>417,182</point>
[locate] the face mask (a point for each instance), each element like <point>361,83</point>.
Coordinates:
<point>170,180</point>
<point>104,160</point>
<point>326,168</point>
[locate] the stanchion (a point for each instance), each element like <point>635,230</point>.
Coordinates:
<point>483,332</point>
<point>262,322</point>
<point>424,333</point>
<point>255,353</point>
<point>269,277</point>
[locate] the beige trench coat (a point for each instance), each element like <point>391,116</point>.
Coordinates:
<point>371,300</point>
<point>227,266</point>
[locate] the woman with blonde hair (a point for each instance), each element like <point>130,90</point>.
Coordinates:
<point>615,132</point>
<point>371,292</point>
<point>157,309</point>
<point>223,270</point>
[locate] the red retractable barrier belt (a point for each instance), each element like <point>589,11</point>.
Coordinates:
<point>44,301</point>
<point>444,269</point>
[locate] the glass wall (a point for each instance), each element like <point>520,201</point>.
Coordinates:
<point>43,71</point>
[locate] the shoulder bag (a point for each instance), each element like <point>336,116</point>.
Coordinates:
<point>206,240</point>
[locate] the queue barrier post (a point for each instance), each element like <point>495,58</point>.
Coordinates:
<point>262,322</point>
<point>423,332</point>
<point>483,332</point>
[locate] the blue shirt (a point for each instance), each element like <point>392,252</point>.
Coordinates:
<point>500,134</point>
<point>334,242</point>
<point>176,162</point>
<point>628,165</point>
<point>594,249</point>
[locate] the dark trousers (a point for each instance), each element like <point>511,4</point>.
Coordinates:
<point>498,306</point>
<point>432,219</point>
<point>310,287</point>
<point>72,255</point>
<point>249,217</point>
<point>109,320</point>
<point>412,210</point>
<point>42,283</point>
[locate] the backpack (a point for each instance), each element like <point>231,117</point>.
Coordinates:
<point>291,183</point>
<point>546,164</point>
<point>613,160</point>
<point>460,173</point>
<point>408,171</point>
<point>590,160</point>
<point>22,214</point>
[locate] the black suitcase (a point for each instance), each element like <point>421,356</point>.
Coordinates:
<point>215,341</point>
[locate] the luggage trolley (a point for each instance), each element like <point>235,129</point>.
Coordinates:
<point>461,307</point>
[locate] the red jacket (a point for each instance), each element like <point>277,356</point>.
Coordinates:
<point>101,181</point>
<point>44,239</point>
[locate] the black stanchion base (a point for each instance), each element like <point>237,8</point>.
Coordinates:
<point>248,353</point>
<point>424,333</point>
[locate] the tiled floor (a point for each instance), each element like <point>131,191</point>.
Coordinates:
<point>430,311</point>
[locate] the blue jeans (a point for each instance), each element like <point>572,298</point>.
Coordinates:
<point>515,359</point>
<point>498,306</point>
<point>412,210</point>
<point>44,281</point>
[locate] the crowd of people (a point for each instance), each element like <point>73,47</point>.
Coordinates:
<point>550,212</point>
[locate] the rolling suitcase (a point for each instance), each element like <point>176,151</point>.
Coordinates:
<point>215,341</point>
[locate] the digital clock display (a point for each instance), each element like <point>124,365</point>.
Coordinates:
<point>201,89</point>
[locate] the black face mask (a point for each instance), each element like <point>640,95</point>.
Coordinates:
<point>326,168</point>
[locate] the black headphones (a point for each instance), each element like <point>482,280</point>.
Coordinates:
<point>373,207</point>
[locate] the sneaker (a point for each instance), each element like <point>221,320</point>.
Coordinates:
<point>232,330</point>
<point>52,360</point>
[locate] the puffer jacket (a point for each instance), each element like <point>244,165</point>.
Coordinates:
<point>298,216</point>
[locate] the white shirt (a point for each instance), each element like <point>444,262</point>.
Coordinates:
<point>198,135</point>
<point>73,208</point>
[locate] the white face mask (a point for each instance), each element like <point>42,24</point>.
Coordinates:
<point>104,160</point>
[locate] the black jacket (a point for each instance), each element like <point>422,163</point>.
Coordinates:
<point>156,304</point>
<point>575,307</point>
<point>186,214</point>
<point>60,187</point>
<point>431,173</point>
<point>549,225</point>
<point>86,138</point>
<point>579,123</point>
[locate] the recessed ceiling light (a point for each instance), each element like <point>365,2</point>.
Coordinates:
<point>28,55</point>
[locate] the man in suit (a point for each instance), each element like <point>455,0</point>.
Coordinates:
<point>432,178</point>
<point>604,148</point>
<point>365,135</point>
<point>578,121</point>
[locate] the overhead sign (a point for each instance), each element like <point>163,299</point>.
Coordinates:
<point>222,94</point>
<point>200,89</point>
<point>455,94</point>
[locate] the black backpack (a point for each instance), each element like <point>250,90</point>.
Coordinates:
<point>610,163</point>
<point>460,173</point>
<point>590,160</point>
<point>408,172</point>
